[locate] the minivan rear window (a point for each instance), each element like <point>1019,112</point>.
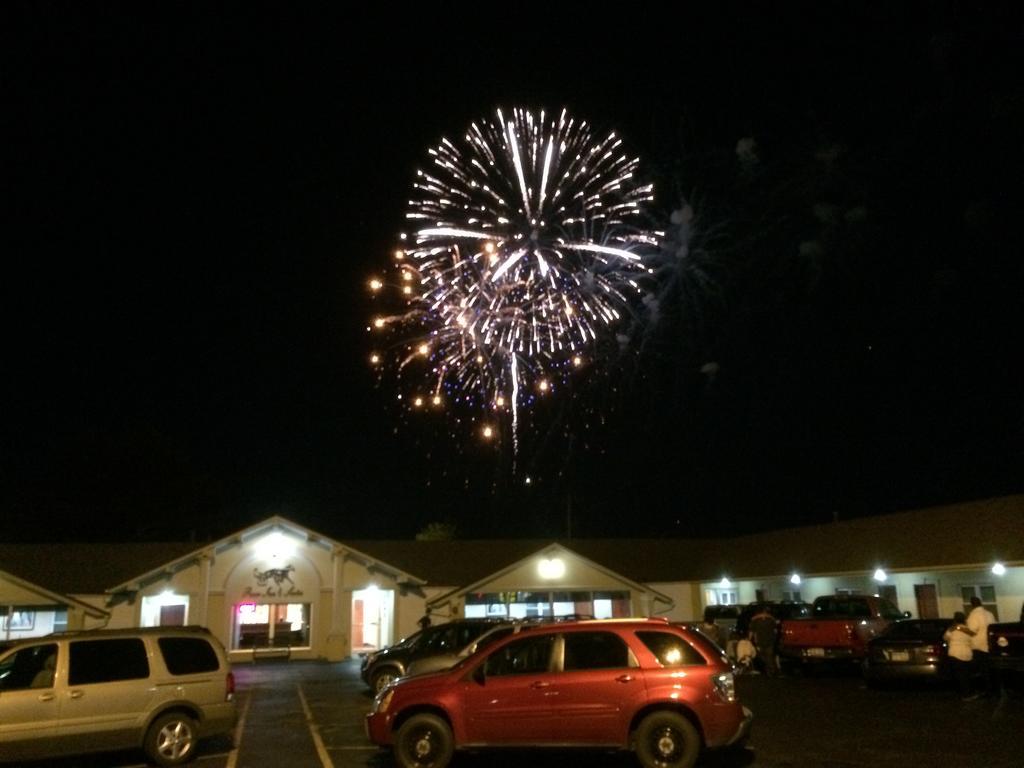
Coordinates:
<point>104,661</point>
<point>188,655</point>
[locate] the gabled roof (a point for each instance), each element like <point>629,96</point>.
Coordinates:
<point>968,535</point>
<point>87,568</point>
<point>551,550</point>
<point>271,524</point>
<point>53,597</point>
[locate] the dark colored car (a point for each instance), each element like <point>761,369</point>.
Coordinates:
<point>913,649</point>
<point>780,612</point>
<point>725,617</point>
<point>383,666</point>
<point>1006,654</point>
<point>662,690</point>
<point>441,661</point>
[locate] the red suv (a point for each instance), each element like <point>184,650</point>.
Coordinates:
<point>660,689</point>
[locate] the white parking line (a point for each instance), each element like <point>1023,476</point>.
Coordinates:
<point>314,729</point>
<point>237,736</point>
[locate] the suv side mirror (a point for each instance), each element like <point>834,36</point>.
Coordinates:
<point>906,614</point>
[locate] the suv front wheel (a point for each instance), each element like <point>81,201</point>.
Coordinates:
<point>667,740</point>
<point>424,741</point>
<point>171,739</point>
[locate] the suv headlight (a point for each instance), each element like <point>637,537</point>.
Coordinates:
<point>382,700</point>
<point>725,686</point>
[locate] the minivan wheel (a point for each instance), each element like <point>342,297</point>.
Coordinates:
<point>667,740</point>
<point>171,739</point>
<point>424,741</point>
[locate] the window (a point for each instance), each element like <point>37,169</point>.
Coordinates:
<point>187,655</point>
<point>726,597</point>
<point>30,667</point>
<point>670,649</point>
<point>530,655</point>
<point>281,625</point>
<point>103,661</point>
<point>521,605</point>
<point>595,650</point>
<point>791,596</point>
<point>985,592</point>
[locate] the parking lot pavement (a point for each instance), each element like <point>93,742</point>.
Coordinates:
<point>310,715</point>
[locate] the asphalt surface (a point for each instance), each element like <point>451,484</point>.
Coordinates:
<point>310,715</point>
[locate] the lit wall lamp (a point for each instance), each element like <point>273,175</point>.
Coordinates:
<point>725,583</point>
<point>999,569</point>
<point>275,546</point>
<point>795,579</point>
<point>880,575</point>
<point>551,569</point>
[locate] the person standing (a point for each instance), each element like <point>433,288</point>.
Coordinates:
<point>711,630</point>
<point>764,634</point>
<point>958,641</point>
<point>977,621</point>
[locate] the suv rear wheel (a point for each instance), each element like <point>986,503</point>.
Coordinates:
<point>424,741</point>
<point>667,740</point>
<point>171,739</point>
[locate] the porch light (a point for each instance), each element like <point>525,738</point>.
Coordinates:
<point>725,583</point>
<point>795,579</point>
<point>880,575</point>
<point>999,569</point>
<point>275,546</point>
<point>551,569</point>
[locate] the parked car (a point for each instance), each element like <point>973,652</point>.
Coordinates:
<point>161,689</point>
<point>1006,653</point>
<point>440,661</point>
<point>663,690</point>
<point>725,616</point>
<point>382,667</point>
<point>912,649</point>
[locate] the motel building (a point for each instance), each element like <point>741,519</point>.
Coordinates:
<point>278,588</point>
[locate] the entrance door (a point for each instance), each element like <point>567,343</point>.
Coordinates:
<point>172,615</point>
<point>927,601</point>
<point>372,610</point>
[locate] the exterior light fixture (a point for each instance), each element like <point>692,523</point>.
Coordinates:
<point>275,546</point>
<point>551,569</point>
<point>880,575</point>
<point>999,569</point>
<point>795,579</point>
<point>725,582</point>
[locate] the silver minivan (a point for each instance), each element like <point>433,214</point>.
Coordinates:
<point>161,689</point>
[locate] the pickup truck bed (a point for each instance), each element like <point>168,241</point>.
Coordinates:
<point>838,629</point>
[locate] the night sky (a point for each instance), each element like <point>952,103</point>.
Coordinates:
<point>195,197</point>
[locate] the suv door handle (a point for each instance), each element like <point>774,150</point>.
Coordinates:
<point>46,697</point>
<point>76,694</point>
<point>540,684</point>
<point>624,679</point>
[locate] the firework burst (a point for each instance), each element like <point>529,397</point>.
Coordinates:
<point>525,250</point>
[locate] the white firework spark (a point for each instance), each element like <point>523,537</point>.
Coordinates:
<point>527,250</point>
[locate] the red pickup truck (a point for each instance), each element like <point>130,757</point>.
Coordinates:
<point>838,629</point>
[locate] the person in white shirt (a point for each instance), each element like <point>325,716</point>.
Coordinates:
<point>958,641</point>
<point>977,621</point>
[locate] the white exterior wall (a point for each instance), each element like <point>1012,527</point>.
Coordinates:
<point>1009,588</point>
